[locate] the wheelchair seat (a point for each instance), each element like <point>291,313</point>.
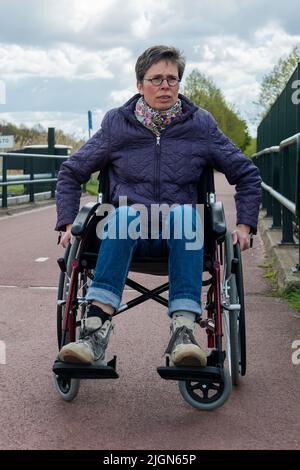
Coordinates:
<point>157,266</point>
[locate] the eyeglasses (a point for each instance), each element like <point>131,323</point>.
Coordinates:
<point>157,81</point>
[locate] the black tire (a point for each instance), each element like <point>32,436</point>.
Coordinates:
<point>241,316</point>
<point>197,395</point>
<point>67,388</point>
<point>231,318</point>
<point>69,256</point>
<point>60,298</point>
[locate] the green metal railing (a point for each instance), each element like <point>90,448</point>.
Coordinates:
<point>32,181</point>
<point>283,118</point>
<point>280,171</point>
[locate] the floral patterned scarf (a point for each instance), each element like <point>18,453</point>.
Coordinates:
<point>153,119</point>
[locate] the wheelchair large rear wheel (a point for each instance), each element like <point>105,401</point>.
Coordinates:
<point>241,316</point>
<point>67,388</point>
<point>234,320</point>
<point>61,300</point>
<point>63,288</point>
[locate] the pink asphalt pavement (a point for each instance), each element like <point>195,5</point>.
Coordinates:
<point>139,410</point>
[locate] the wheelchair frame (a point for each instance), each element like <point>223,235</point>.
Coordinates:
<point>202,387</point>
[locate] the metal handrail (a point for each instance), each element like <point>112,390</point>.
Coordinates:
<point>33,155</point>
<point>41,180</point>
<point>280,198</point>
<point>5,182</point>
<point>290,140</point>
<point>292,207</point>
<point>294,139</point>
<point>276,148</point>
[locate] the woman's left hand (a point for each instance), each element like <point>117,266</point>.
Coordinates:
<point>241,235</point>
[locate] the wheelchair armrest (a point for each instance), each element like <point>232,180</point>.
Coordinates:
<point>82,218</point>
<point>217,218</point>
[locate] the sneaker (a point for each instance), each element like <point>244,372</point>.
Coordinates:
<point>90,348</point>
<point>183,349</point>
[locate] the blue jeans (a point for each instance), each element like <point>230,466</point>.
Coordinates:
<point>185,264</point>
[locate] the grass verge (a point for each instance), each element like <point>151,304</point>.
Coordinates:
<point>290,296</point>
<point>16,190</point>
<point>92,186</point>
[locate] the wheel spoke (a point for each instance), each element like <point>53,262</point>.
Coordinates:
<point>197,386</point>
<point>215,386</point>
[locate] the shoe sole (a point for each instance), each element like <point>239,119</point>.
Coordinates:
<point>189,355</point>
<point>71,353</point>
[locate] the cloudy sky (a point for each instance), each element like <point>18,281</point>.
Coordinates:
<point>60,58</point>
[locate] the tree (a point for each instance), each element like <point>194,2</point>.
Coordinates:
<point>251,149</point>
<point>203,92</point>
<point>37,135</point>
<point>274,82</point>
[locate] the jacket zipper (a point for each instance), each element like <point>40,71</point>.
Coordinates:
<point>157,155</point>
<point>157,168</point>
<point>157,160</point>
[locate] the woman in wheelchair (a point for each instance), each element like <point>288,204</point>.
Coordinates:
<point>155,148</point>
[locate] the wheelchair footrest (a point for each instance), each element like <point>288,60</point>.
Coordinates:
<point>191,373</point>
<point>85,371</point>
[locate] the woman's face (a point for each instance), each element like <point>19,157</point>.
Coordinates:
<point>160,97</point>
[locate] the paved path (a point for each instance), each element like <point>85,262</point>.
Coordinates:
<point>139,410</point>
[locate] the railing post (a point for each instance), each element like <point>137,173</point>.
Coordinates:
<point>4,180</point>
<point>276,185</point>
<point>297,267</point>
<point>287,217</point>
<point>263,175</point>
<point>268,178</point>
<point>51,151</point>
<point>297,201</point>
<point>31,186</point>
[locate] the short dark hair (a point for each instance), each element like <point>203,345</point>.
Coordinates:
<point>154,54</point>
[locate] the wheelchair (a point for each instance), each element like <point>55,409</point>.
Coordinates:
<point>204,388</point>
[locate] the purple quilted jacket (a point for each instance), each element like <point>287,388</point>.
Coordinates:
<point>148,169</point>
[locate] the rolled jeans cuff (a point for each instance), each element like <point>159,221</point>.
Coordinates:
<point>188,305</point>
<point>104,296</point>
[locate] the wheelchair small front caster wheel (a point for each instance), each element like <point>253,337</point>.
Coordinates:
<point>66,387</point>
<point>206,394</point>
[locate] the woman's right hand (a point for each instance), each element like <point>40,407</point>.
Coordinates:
<point>67,236</point>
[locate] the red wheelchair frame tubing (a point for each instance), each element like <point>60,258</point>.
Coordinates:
<point>69,323</point>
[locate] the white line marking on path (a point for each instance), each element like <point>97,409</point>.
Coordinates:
<point>40,260</point>
<point>43,287</point>
<point>29,287</point>
<point>40,209</point>
<point>30,211</point>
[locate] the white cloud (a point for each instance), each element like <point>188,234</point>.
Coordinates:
<point>148,15</point>
<point>259,54</point>
<point>237,65</point>
<point>67,61</point>
<point>81,15</point>
<point>119,97</point>
<point>140,27</point>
